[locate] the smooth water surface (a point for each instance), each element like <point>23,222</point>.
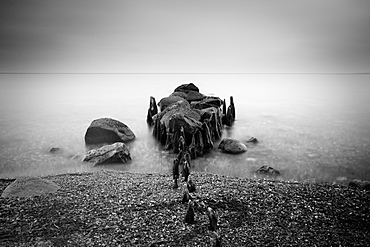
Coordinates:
<point>310,127</point>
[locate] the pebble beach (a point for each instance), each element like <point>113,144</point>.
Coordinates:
<point>111,208</point>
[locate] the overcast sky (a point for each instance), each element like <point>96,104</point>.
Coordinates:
<point>166,36</point>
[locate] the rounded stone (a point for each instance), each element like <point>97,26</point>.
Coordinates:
<point>107,130</point>
<point>229,145</point>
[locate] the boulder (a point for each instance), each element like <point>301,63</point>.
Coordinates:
<point>169,122</point>
<point>207,102</point>
<point>194,96</point>
<point>29,187</point>
<point>198,115</point>
<point>189,96</point>
<point>180,107</point>
<point>229,145</point>
<point>167,101</point>
<point>168,125</point>
<point>107,130</point>
<point>213,116</point>
<point>186,88</point>
<point>114,153</point>
<point>268,170</point>
<point>179,94</point>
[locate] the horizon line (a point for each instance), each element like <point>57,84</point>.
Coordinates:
<point>185,73</point>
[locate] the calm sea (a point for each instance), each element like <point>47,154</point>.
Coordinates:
<point>310,127</point>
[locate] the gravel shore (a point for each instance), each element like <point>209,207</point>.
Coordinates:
<point>110,208</point>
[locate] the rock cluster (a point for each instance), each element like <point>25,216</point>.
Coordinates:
<point>109,135</point>
<point>199,116</point>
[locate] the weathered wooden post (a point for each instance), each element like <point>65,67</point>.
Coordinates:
<point>152,110</point>
<point>233,107</point>
<point>230,113</point>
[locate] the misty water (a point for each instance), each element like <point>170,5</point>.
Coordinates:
<point>310,127</point>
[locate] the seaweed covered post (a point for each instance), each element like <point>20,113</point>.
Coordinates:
<point>152,110</point>
<point>224,111</point>
<point>232,107</point>
<point>230,113</point>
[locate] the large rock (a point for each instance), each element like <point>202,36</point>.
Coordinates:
<point>188,117</point>
<point>181,106</point>
<point>186,88</point>
<point>207,102</point>
<point>29,186</point>
<point>167,101</point>
<point>189,96</point>
<point>229,145</point>
<point>114,153</point>
<point>107,130</point>
<point>169,122</point>
<point>194,96</point>
<point>213,116</point>
<point>179,94</point>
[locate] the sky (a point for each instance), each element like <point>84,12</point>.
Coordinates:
<point>193,36</point>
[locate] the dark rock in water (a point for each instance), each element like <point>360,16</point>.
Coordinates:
<point>253,140</point>
<point>107,130</point>
<point>194,96</point>
<point>168,123</point>
<point>212,116</point>
<point>199,117</point>
<point>207,102</point>
<point>55,150</point>
<point>29,186</point>
<point>361,184</point>
<point>179,94</point>
<point>114,153</point>
<point>186,88</point>
<point>268,170</point>
<point>167,101</point>
<point>232,146</point>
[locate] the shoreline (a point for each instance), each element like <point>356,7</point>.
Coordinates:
<point>137,209</point>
